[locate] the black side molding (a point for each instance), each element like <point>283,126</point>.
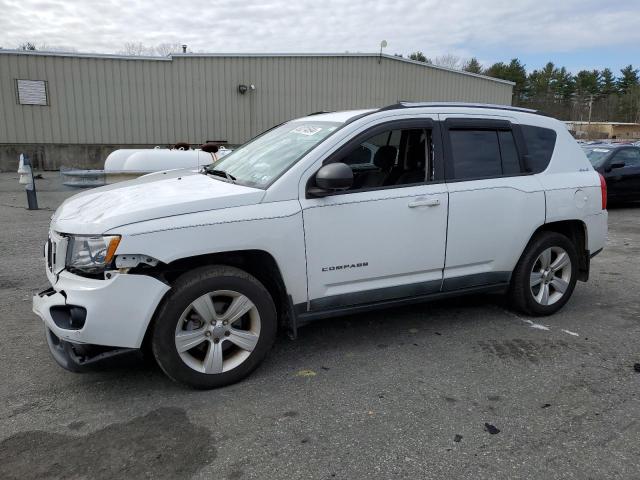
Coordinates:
<point>376,295</point>
<point>476,280</point>
<point>304,318</point>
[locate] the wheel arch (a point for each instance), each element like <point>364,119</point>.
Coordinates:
<point>258,263</point>
<point>576,231</point>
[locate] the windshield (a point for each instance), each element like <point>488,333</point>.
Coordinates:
<point>265,158</point>
<point>597,156</point>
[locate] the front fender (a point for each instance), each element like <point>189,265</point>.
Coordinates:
<point>272,227</point>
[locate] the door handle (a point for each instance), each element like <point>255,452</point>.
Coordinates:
<point>424,202</point>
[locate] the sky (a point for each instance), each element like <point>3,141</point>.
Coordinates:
<point>579,34</point>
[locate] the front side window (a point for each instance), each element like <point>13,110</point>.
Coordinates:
<point>263,159</point>
<point>390,158</point>
<point>629,156</point>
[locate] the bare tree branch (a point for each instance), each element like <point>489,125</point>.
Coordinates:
<point>449,61</point>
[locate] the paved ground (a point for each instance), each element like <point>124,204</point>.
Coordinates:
<point>396,394</point>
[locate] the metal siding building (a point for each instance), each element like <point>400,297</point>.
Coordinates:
<point>96,103</point>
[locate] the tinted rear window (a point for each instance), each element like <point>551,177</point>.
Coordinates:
<point>540,144</point>
<point>476,153</point>
<point>509,153</point>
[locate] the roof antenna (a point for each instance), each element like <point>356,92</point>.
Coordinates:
<point>383,44</point>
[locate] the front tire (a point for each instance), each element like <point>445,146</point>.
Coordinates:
<point>545,275</point>
<point>214,328</point>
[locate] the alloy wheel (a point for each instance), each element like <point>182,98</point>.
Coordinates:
<point>550,275</point>
<point>217,331</point>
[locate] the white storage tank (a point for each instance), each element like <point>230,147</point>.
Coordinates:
<point>157,160</point>
<point>115,160</point>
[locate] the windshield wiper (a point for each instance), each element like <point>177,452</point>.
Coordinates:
<point>221,173</point>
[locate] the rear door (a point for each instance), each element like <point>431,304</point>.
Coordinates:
<point>494,204</point>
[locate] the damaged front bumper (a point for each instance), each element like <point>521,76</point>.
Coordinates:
<point>79,312</point>
<point>78,357</point>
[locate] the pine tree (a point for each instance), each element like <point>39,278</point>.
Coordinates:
<point>419,57</point>
<point>514,72</point>
<point>628,79</point>
<point>473,66</point>
<point>540,84</point>
<point>608,82</point>
<point>563,85</point>
<point>588,82</point>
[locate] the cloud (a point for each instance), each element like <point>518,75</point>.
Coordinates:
<point>463,27</point>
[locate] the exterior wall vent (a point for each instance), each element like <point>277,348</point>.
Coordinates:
<point>32,92</point>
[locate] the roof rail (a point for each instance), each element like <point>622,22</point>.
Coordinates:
<point>317,113</point>
<point>402,104</point>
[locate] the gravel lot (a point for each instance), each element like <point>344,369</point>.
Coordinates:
<point>403,393</point>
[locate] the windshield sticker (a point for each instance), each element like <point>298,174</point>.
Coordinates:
<point>601,150</point>
<point>306,130</point>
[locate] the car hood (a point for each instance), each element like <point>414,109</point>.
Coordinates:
<point>157,195</point>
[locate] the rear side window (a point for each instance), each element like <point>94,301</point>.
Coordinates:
<point>476,153</point>
<point>509,153</point>
<point>540,144</point>
<point>483,153</point>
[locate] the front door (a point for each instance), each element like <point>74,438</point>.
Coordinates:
<point>385,237</point>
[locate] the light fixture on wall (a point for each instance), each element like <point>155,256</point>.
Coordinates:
<point>242,88</point>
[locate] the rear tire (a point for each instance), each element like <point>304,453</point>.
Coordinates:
<point>545,275</point>
<point>214,328</point>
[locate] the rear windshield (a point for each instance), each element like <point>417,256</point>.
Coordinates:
<point>540,144</point>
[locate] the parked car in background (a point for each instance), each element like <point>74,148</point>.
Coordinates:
<point>619,164</point>
<point>322,216</point>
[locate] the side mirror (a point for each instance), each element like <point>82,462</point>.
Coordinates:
<point>330,178</point>
<point>618,164</point>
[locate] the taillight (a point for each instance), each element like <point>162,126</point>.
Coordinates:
<point>603,189</point>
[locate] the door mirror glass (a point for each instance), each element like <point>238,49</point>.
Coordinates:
<point>331,178</point>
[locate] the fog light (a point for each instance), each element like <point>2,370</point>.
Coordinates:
<point>69,317</point>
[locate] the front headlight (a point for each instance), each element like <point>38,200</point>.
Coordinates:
<point>91,253</point>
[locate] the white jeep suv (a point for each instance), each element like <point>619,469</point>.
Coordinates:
<point>326,215</point>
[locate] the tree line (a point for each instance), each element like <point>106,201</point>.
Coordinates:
<point>596,95</point>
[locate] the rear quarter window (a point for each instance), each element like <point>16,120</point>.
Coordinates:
<point>540,143</point>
